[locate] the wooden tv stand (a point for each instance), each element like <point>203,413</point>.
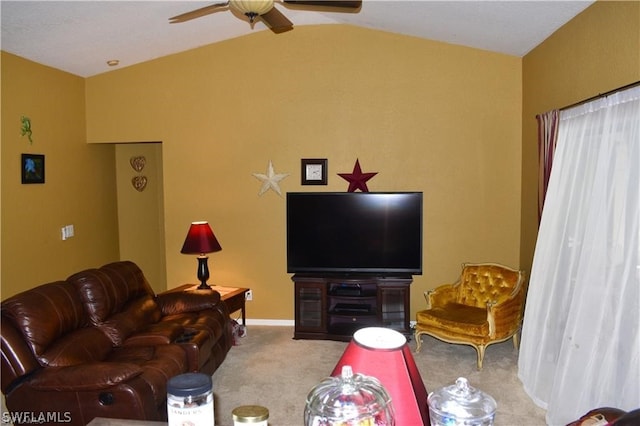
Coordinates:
<point>333,307</point>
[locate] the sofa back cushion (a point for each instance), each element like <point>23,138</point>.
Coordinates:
<point>482,283</point>
<point>45,314</point>
<point>117,298</point>
<point>107,290</point>
<point>135,316</point>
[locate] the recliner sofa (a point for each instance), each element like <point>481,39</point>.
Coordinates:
<point>102,344</point>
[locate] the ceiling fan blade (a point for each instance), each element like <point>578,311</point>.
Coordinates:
<point>276,21</point>
<point>333,4</point>
<point>203,11</point>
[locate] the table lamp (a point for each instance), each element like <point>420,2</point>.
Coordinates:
<point>200,240</point>
<point>384,354</point>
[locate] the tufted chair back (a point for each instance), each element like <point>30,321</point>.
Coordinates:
<point>486,283</point>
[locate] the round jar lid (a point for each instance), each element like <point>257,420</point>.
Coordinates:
<point>250,414</point>
<point>189,384</point>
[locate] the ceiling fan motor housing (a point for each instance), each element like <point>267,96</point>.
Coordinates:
<point>251,8</point>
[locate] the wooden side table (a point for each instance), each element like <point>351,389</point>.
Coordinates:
<point>233,297</point>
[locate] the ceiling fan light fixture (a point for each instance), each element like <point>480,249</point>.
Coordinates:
<point>251,8</point>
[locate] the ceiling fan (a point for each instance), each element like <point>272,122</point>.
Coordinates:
<point>264,10</point>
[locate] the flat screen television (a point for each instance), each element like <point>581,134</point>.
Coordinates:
<point>377,233</point>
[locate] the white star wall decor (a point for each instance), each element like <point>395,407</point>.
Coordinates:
<point>270,180</point>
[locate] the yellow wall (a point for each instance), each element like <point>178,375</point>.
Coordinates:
<point>141,213</point>
<point>427,116</point>
<point>79,186</point>
<point>450,121</point>
<point>596,52</point>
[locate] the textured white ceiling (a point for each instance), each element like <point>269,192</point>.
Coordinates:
<point>80,36</point>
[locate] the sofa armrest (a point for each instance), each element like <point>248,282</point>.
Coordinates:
<point>176,302</point>
<point>84,377</point>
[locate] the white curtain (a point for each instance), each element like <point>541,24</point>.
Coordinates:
<point>580,345</point>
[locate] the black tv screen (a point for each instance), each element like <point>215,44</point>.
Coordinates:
<point>354,232</point>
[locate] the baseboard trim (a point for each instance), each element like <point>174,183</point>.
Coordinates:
<point>281,323</point>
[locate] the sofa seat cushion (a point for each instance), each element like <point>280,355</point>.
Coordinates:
<point>87,344</point>
<point>158,365</point>
<point>160,333</point>
<point>455,318</point>
<point>213,321</point>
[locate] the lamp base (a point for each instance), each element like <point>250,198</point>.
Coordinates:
<point>203,272</point>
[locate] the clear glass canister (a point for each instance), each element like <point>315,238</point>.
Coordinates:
<point>250,415</point>
<point>190,400</point>
<point>460,404</point>
<point>349,400</point>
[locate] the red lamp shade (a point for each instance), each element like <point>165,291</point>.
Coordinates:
<point>200,240</point>
<point>384,354</point>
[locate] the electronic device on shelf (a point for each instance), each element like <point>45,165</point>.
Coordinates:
<point>352,308</point>
<point>370,233</point>
<point>346,290</point>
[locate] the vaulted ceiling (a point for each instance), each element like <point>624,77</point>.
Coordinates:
<point>81,36</point>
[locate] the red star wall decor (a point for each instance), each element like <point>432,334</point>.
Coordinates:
<point>357,179</point>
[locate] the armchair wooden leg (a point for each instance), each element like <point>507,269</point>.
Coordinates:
<point>416,336</point>
<point>480,349</point>
<point>516,340</point>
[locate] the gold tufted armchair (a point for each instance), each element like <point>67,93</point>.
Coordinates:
<point>483,307</point>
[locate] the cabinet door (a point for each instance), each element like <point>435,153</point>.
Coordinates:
<point>310,307</point>
<point>394,306</point>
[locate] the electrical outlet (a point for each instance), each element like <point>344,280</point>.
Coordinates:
<point>248,295</point>
<point>412,324</point>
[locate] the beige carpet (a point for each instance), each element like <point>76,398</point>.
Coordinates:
<point>271,369</point>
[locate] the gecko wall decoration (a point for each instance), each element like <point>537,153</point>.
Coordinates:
<point>26,128</point>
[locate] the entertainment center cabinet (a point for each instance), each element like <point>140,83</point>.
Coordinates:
<point>333,307</point>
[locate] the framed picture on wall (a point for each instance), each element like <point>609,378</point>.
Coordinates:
<point>314,171</point>
<point>32,167</point>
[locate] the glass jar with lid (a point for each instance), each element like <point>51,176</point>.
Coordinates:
<point>461,404</point>
<point>349,400</point>
<point>190,400</point>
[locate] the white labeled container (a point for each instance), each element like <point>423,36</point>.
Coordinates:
<point>250,415</point>
<point>190,400</point>
<point>460,404</point>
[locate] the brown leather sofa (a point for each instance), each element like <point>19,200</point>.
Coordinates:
<point>102,344</point>
<point>609,416</point>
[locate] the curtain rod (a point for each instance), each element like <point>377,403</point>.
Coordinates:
<point>601,95</point>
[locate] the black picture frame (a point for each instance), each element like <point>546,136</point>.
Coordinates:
<point>313,171</point>
<point>32,168</point>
